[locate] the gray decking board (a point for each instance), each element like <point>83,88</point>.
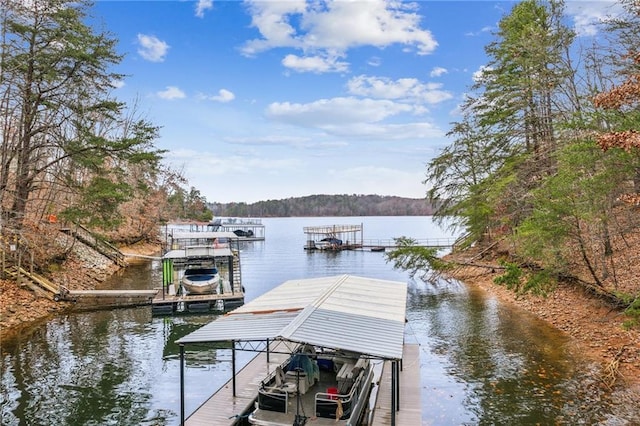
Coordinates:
<point>222,406</point>
<point>410,412</point>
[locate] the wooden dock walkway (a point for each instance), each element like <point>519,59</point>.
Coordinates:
<point>410,412</point>
<point>103,299</point>
<point>223,409</point>
<point>369,244</point>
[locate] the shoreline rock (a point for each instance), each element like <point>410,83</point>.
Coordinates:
<point>21,310</point>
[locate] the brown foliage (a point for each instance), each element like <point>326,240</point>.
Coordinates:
<point>625,94</point>
<point>626,140</point>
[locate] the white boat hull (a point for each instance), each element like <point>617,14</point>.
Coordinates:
<point>201,283</point>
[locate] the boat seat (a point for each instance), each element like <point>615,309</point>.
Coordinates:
<point>346,375</point>
<point>345,371</point>
<point>291,382</point>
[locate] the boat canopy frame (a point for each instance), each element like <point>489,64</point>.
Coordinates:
<point>371,314</point>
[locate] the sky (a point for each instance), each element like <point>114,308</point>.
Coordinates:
<point>267,100</point>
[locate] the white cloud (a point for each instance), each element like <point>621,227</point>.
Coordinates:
<point>329,29</point>
<point>287,141</point>
<point>410,89</point>
<point>355,118</point>
<point>483,30</point>
<point>330,112</point>
<point>212,164</point>
<point>375,61</point>
<point>317,64</point>
<point>588,15</point>
<point>118,84</point>
<point>151,48</point>
<point>171,92</point>
<point>202,6</point>
<point>223,95</point>
<point>438,71</point>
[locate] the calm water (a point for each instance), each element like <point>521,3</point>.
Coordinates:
<point>481,362</point>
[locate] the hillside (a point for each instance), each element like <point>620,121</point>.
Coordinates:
<point>327,205</point>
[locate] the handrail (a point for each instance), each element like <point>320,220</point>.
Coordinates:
<point>423,242</point>
<point>104,247</point>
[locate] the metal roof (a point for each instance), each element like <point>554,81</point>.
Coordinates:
<point>347,312</point>
<point>209,235</point>
<point>198,251</point>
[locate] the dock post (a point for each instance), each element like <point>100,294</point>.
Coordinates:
<point>394,385</point>
<point>182,385</point>
<point>397,364</point>
<point>233,365</point>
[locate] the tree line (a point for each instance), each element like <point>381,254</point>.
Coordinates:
<point>70,150</point>
<point>327,205</point>
<point>546,155</point>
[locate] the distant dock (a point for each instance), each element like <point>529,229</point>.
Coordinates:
<point>246,229</point>
<point>350,237</point>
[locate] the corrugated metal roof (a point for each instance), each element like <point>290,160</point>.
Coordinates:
<point>198,251</point>
<point>209,235</point>
<point>347,312</point>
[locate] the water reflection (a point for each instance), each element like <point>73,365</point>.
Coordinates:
<point>486,363</point>
<point>482,363</point>
<point>196,355</point>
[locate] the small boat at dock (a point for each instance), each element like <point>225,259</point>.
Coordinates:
<point>201,280</point>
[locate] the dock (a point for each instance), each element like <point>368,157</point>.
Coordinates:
<point>410,412</point>
<point>350,237</point>
<point>333,237</point>
<point>200,248</point>
<point>388,244</point>
<point>222,408</point>
<point>303,315</point>
<point>246,229</point>
<point>107,299</point>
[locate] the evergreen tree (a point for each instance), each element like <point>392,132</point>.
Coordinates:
<point>60,126</point>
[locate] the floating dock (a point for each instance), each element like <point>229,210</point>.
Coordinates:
<point>333,237</point>
<point>308,312</point>
<point>246,229</point>
<point>199,249</point>
<point>350,237</point>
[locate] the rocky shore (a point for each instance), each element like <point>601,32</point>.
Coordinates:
<point>22,310</point>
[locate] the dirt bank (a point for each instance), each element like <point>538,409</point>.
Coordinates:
<point>21,309</point>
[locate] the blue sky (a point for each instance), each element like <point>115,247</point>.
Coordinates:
<point>262,100</point>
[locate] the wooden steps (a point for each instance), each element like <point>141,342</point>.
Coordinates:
<point>35,282</point>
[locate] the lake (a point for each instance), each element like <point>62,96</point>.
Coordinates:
<point>481,362</point>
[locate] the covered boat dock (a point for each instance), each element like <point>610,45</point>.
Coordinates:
<point>339,313</point>
<point>200,248</point>
<point>333,237</point>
